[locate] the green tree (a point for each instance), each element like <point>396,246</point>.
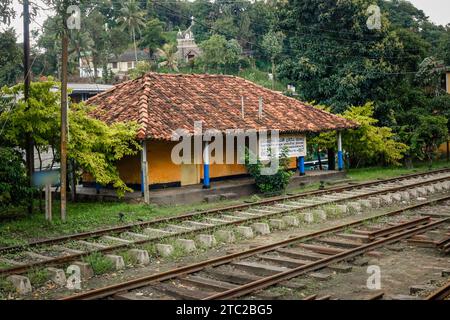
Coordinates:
<point>10,58</point>
<point>220,53</point>
<point>429,76</point>
<point>430,132</point>
<point>141,68</point>
<point>153,36</point>
<point>273,46</point>
<point>444,46</point>
<point>132,19</point>
<point>368,144</point>
<point>333,57</point>
<point>93,145</point>
<point>14,190</point>
<point>168,55</point>
<point>6,11</point>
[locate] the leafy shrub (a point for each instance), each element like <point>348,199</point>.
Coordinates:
<point>14,189</point>
<point>275,183</point>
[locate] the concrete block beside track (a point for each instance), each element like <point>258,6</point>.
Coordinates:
<point>397,197</point>
<point>57,276</point>
<point>86,271</point>
<point>365,203</point>
<point>226,236</point>
<point>164,250</point>
<point>291,221</point>
<point>354,207</point>
<point>261,228</point>
<point>430,188</point>
<point>308,217</point>
<point>277,223</point>
<point>386,199</point>
<point>405,196</point>
<point>188,245</point>
<point>117,261</point>
<point>140,256</point>
<point>446,185</point>
<point>422,191</point>
<point>206,240</point>
<point>375,202</point>
<point>320,214</point>
<point>21,284</point>
<point>341,208</point>
<point>245,232</point>
<point>413,193</point>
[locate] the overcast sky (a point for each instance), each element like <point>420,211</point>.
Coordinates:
<point>437,10</point>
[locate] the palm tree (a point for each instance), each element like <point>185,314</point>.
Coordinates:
<point>132,19</point>
<point>81,42</point>
<point>168,53</point>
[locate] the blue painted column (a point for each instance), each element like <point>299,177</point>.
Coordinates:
<point>301,165</point>
<point>206,184</point>
<point>340,154</point>
<point>144,173</point>
<point>97,188</point>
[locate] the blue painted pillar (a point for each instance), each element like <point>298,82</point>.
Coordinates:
<point>206,184</point>
<point>301,165</point>
<point>97,188</point>
<point>144,173</point>
<point>340,154</point>
<point>142,182</point>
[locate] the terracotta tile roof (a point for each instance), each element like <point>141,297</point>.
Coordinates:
<point>162,103</point>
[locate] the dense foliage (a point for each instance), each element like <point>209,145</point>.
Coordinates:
<point>94,146</point>
<point>14,188</point>
<point>324,48</point>
<point>272,183</point>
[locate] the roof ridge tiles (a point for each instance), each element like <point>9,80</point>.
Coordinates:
<point>162,103</point>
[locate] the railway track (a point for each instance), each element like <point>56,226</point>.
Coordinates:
<point>442,293</point>
<point>240,274</point>
<point>123,228</point>
<point>344,200</point>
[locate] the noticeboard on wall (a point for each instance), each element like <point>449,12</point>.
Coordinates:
<point>295,146</point>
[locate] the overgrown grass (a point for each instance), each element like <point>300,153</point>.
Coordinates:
<point>88,216</point>
<point>373,173</point>
<point>99,263</point>
<point>38,277</point>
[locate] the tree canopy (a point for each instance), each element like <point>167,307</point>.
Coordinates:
<point>93,145</point>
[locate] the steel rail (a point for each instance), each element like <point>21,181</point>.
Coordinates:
<point>441,293</point>
<point>144,281</point>
<point>117,229</point>
<point>67,258</point>
<point>286,275</point>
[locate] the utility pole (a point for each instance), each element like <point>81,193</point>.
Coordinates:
<point>64,58</point>
<point>29,148</point>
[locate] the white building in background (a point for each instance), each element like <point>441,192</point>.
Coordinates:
<point>187,48</point>
<point>87,68</point>
<point>119,65</point>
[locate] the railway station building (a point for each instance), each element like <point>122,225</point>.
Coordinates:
<point>166,104</point>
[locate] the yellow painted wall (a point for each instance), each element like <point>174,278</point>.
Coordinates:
<point>448,82</point>
<point>130,169</point>
<point>443,148</point>
<point>162,170</point>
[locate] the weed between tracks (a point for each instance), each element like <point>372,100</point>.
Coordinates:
<point>99,263</point>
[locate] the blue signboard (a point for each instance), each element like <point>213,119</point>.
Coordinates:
<point>45,177</point>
